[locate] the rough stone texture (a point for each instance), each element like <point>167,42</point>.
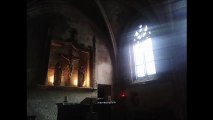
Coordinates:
<point>61,16</point>
<point>167,94</point>
<point>114,11</point>
<point>169,41</point>
<point>42,103</point>
<point>151,97</point>
<point>103,65</point>
<point>121,12</point>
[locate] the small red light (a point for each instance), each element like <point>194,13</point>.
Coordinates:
<point>123,94</point>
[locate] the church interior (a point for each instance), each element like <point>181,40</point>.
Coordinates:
<point>106,59</point>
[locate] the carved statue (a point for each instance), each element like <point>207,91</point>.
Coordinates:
<point>81,76</point>
<point>70,68</point>
<point>57,74</point>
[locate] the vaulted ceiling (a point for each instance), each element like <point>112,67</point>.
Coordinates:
<point>116,14</point>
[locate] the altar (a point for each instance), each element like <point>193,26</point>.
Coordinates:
<point>77,111</point>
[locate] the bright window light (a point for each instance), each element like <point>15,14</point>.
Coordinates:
<point>143,53</point>
<point>140,70</point>
<point>136,33</point>
<point>145,28</point>
<point>150,66</point>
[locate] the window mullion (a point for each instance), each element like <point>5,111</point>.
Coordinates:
<point>142,54</point>
<point>144,62</point>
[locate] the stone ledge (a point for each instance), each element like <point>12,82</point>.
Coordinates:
<point>47,87</point>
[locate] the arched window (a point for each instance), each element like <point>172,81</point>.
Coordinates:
<point>142,58</point>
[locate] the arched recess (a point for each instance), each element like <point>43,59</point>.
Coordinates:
<point>57,17</point>
<point>45,23</point>
<point>133,20</point>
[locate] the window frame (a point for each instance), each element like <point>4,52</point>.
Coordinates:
<point>134,77</point>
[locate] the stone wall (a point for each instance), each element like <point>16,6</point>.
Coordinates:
<point>42,103</point>
<point>50,20</point>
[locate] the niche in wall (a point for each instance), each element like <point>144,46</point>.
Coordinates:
<point>70,64</point>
